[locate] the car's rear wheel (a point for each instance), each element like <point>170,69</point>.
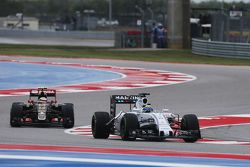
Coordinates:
<point>16,114</point>
<point>100,129</point>
<point>190,122</point>
<point>129,124</point>
<point>68,115</point>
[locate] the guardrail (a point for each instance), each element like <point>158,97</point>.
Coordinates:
<point>59,34</point>
<point>221,49</point>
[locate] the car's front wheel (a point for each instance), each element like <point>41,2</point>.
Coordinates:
<point>129,124</point>
<point>16,114</point>
<point>100,129</point>
<point>68,115</point>
<point>190,123</point>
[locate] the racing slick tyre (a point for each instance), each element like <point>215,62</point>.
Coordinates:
<point>68,115</point>
<point>16,114</point>
<point>129,124</point>
<point>98,125</point>
<point>190,122</point>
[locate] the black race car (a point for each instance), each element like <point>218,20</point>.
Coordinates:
<point>42,109</point>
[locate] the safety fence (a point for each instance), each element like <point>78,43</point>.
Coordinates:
<point>221,49</point>
<point>58,34</point>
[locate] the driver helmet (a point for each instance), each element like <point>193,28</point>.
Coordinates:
<point>42,96</point>
<point>42,99</point>
<point>147,109</point>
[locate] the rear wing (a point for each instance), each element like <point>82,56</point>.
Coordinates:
<point>38,92</point>
<point>123,99</point>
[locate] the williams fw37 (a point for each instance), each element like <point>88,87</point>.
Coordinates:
<point>143,121</point>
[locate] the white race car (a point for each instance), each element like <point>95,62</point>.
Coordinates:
<point>142,121</point>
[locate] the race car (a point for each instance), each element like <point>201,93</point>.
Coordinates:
<point>42,109</point>
<point>142,121</point>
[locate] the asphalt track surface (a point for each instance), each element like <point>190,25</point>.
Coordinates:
<point>218,90</point>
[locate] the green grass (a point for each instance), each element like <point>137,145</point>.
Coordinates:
<point>172,56</point>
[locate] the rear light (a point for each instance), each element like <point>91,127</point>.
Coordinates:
<point>54,120</point>
<point>28,120</point>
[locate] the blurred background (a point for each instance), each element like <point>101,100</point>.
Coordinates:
<point>131,22</point>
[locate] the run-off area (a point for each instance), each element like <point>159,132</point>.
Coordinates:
<point>14,75</point>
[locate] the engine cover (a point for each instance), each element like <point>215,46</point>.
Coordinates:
<point>41,109</point>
